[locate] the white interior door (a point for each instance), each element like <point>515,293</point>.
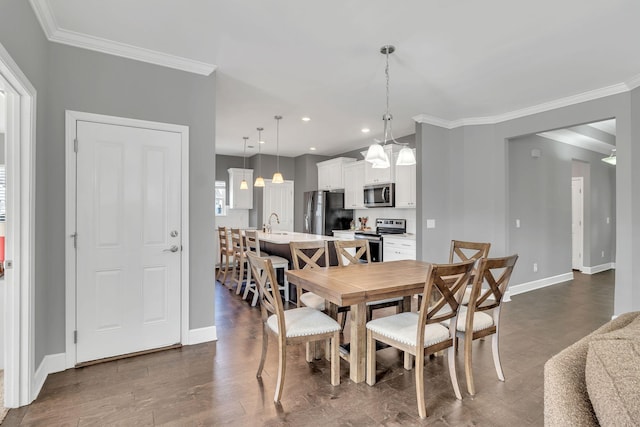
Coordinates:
<point>278,198</point>
<point>128,240</point>
<point>577,222</point>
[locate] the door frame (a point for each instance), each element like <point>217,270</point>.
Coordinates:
<point>20,232</point>
<point>579,180</point>
<point>71,118</point>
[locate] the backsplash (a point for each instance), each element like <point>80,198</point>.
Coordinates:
<point>390,213</point>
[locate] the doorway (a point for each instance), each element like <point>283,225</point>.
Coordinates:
<point>278,199</point>
<point>127,218</point>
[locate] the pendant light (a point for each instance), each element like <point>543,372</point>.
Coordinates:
<point>277,177</point>
<point>376,154</point>
<point>259,180</point>
<point>243,184</point>
<point>611,159</point>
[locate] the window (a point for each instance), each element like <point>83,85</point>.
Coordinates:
<point>221,198</point>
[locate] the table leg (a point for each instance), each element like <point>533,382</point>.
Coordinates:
<point>357,350</point>
<point>406,304</point>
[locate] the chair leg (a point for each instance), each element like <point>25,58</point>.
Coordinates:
<point>309,351</point>
<point>247,287</point>
<point>422,406</point>
<point>496,356</point>
<point>286,284</point>
<point>452,372</point>
<point>335,359</point>
<point>468,365</point>
<point>240,276</point>
<point>265,344</point>
<point>282,367</point>
<point>408,361</point>
<point>255,298</point>
<point>371,358</point>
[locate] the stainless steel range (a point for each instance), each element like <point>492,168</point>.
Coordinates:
<point>383,226</point>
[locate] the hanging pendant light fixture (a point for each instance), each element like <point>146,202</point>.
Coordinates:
<point>376,154</point>
<point>259,180</point>
<point>243,184</point>
<point>611,159</point>
<point>277,177</point>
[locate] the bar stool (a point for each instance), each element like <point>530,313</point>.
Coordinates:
<point>226,254</point>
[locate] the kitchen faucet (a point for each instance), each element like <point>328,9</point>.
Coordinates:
<point>269,221</point>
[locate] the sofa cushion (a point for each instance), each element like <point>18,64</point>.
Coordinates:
<point>612,375</point>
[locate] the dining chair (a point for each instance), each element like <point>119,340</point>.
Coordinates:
<point>252,243</point>
<point>240,272</point>
<point>351,252</point>
<point>307,255</point>
<point>298,325</point>
<point>482,315</point>
<point>462,251</point>
<point>421,334</point>
<point>226,254</point>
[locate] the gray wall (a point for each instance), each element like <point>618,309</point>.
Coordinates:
<point>479,186</point>
<point>77,79</point>
<point>2,149</point>
<point>540,197</point>
<point>306,180</point>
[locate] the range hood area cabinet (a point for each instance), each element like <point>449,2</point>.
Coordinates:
<point>240,199</point>
<point>330,173</point>
<point>353,185</point>
<point>405,185</point>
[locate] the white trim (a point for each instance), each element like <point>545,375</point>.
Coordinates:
<point>598,268</point>
<point>50,364</point>
<point>54,33</point>
<point>20,245</point>
<point>615,89</point>
<point>200,335</point>
<point>537,284</point>
<point>71,118</point>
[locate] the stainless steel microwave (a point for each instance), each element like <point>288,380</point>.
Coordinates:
<point>380,196</point>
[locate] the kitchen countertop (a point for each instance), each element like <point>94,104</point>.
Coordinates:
<point>405,236</point>
<point>286,237</point>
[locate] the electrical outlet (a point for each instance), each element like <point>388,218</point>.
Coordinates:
<point>535,267</point>
<point>602,254</point>
<point>517,223</point>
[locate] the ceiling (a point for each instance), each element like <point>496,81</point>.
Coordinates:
<point>599,136</point>
<point>456,62</point>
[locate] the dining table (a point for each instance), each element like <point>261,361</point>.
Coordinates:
<point>354,286</point>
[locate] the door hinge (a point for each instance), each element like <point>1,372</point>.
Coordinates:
<point>74,236</point>
<point>75,337</point>
<point>75,145</point>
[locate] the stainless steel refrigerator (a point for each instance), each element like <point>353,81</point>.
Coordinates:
<point>324,212</point>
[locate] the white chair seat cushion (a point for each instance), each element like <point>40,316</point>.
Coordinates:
<point>312,300</point>
<point>403,328</point>
<point>304,321</point>
<point>384,301</point>
<point>278,261</point>
<point>480,321</point>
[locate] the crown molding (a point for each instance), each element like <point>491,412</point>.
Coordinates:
<point>44,13</point>
<point>591,95</point>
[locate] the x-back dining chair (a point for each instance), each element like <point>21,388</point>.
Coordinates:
<point>351,252</point>
<point>482,315</point>
<point>240,272</point>
<point>226,254</point>
<point>421,334</point>
<point>462,251</point>
<point>252,243</point>
<point>298,325</point>
<point>308,255</point>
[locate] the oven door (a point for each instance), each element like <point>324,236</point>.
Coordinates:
<point>375,246</point>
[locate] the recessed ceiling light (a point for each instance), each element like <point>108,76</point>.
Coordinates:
<point>366,130</point>
<point>261,142</point>
<point>306,119</point>
<point>312,148</point>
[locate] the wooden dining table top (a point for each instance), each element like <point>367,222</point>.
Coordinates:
<point>359,283</point>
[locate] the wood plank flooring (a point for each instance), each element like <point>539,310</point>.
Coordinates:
<point>215,383</point>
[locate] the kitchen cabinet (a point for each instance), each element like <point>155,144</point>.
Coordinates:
<point>353,183</point>
<point>405,186</point>
<point>330,173</point>
<point>381,175</point>
<point>240,199</point>
<point>398,248</point>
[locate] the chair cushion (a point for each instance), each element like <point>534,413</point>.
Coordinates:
<point>312,300</point>
<point>403,327</point>
<point>612,376</point>
<point>278,261</point>
<point>481,321</point>
<point>304,321</point>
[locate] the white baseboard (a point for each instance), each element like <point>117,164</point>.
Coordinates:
<point>200,335</point>
<point>537,284</point>
<point>51,363</point>
<point>598,268</point>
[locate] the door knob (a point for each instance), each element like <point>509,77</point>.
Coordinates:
<point>173,248</point>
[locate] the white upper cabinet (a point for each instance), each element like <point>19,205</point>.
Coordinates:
<point>240,199</point>
<point>330,174</point>
<point>353,183</point>
<point>378,175</point>
<point>405,186</point>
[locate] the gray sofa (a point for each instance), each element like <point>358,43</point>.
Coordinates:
<point>581,385</point>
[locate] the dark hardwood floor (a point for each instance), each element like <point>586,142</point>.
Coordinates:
<point>215,383</point>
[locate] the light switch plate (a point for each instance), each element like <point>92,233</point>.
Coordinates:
<point>431,223</point>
